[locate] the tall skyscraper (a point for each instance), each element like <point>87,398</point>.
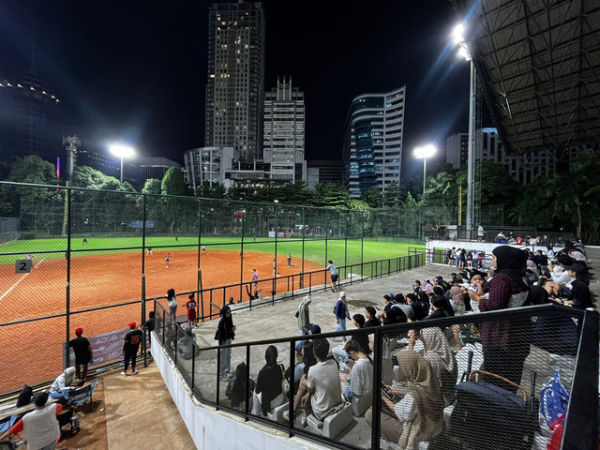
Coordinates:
<point>235,86</point>
<point>373,141</point>
<point>283,141</point>
<point>457,148</point>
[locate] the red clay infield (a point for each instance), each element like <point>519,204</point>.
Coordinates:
<point>32,352</point>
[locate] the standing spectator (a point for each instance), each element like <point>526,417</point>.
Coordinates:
<point>255,278</point>
<point>149,327</point>
<point>40,425</point>
<point>224,335</point>
<point>458,257</point>
<point>341,313</point>
<point>480,233</point>
<point>361,377</point>
<point>268,393</point>
<point>506,343</point>
<point>322,382</point>
<point>63,382</point>
<point>131,344</point>
<point>475,259</point>
<point>452,258</point>
<point>303,315</point>
<point>334,275</point>
<point>371,315</point>
<point>172,299</point>
<point>190,305</point>
<point>83,353</point>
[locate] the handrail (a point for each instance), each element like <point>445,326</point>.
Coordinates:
<point>585,382</point>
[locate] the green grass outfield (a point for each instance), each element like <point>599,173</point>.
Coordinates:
<point>314,250</point>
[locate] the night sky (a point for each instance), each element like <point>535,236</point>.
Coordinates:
<point>136,70</point>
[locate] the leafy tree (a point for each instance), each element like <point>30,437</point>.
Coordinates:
<point>331,194</point>
<point>392,195</point>
<point>152,186</point>
<point>373,197</point>
<point>173,182</point>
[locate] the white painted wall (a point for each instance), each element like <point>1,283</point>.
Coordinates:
<point>212,429</point>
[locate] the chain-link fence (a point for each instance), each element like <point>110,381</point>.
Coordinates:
<point>500,380</point>
<point>92,258</point>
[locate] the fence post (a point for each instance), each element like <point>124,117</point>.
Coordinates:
<point>242,253</point>
<point>326,235</point>
<point>219,376</point>
<point>346,246</point>
<point>275,261</point>
<point>199,280</point>
<point>303,241</point>
<point>144,279</point>
<point>362,242</point>
<point>68,283</point>
<point>246,402</point>
<point>376,401</point>
<point>292,368</point>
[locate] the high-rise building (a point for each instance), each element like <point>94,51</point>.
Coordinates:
<point>283,144</point>
<point>457,149</point>
<point>207,165</point>
<point>29,121</point>
<point>523,168</point>
<point>328,170</point>
<point>373,141</point>
<point>235,85</point>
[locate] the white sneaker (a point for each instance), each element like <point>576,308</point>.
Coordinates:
<point>124,373</point>
<point>135,372</point>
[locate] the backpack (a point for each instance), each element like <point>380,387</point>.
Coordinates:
<point>24,396</point>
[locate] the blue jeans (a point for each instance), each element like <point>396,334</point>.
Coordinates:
<point>300,345</point>
<point>341,327</point>
<point>348,393</point>
<point>225,366</point>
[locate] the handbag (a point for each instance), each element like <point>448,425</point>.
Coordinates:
<point>285,384</point>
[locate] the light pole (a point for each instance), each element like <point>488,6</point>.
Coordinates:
<point>423,152</point>
<point>459,41</point>
<point>121,151</point>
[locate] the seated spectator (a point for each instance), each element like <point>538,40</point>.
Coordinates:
<point>360,381</point>
<point>428,288</point>
<point>580,296</point>
<point>441,358</point>
<point>420,310</point>
<point>390,314</point>
<point>417,287</point>
<point>418,415</point>
<point>268,393</point>
<point>40,426</point>
<point>63,382</point>
<point>322,384</point>
<point>236,388</point>
<point>362,338</point>
<point>371,315</point>
<point>439,306</point>
<point>301,371</point>
<point>456,297</point>
<point>558,272</point>
<point>402,304</point>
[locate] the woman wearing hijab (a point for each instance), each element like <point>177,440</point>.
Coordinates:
<point>62,382</point>
<point>506,343</point>
<point>438,353</point>
<point>268,393</point>
<point>236,389</point>
<point>224,335</point>
<point>419,415</point>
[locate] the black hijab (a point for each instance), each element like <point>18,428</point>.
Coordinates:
<point>227,321</point>
<point>512,262</point>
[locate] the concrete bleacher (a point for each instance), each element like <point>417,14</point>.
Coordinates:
<point>273,321</point>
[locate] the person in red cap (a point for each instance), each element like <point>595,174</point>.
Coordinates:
<point>131,344</point>
<point>83,353</point>
<point>191,310</point>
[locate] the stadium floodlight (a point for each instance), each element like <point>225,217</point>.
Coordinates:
<point>423,152</point>
<point>464,52</point>
<point>122,151</point>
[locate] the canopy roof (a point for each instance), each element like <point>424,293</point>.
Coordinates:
<point>539,65</point>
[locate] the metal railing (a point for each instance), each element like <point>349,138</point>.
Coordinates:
<point>581,422</point>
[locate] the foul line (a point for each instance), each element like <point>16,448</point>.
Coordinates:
<point>16,283</point>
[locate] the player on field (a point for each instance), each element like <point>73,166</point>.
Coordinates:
<point>168,260</point>
<point>149,251</point>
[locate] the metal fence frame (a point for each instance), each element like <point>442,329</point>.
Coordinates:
<point>581,423</point>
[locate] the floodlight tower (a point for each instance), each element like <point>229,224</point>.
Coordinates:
<point>423,152</point>
<point>122,151</point>
<point>458,39</point>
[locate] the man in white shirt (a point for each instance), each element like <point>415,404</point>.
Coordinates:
<point>361,377</point>
<point>40,426</point>
<point>323,382</point>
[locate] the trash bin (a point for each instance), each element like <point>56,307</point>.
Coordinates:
<point>452,232</point>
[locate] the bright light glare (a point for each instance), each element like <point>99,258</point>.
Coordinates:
<point>463,53</point>
<point>458,34</point>
<point>122,151</point>
<point>424,151</point>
